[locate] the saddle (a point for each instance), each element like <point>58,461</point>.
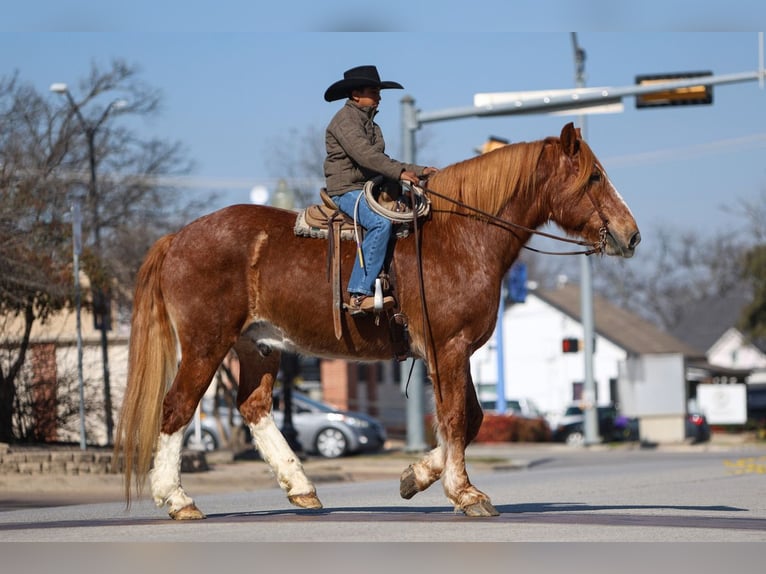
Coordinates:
<point>318,221</point>
<point>326,221</point>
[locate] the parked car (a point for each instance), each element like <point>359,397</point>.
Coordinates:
<point>215,431</point>
<point>522,407</point>
<point>697,428</point>
<point>321,429</point>
<point>611,426</point>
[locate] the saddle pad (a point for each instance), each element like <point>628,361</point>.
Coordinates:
<point>314,220</point>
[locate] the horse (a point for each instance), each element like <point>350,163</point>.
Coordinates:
<point>239,278</point>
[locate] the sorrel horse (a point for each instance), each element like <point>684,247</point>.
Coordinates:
<point>239,278</point>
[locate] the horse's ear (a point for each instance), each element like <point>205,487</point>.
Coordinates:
<point>570,138</point>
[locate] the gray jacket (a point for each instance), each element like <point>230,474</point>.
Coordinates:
<point>356,151</point>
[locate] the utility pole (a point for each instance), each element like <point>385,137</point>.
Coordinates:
<point>101,296</point>
<point>589,400</point>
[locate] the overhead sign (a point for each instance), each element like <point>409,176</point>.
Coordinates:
<point>602,105</point>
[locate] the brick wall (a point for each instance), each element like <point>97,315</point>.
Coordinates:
<point>72,460</point>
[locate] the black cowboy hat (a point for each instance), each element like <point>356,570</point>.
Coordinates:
<point>359,77</point>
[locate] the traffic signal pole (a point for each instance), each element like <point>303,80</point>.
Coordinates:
<point>582,99</point>
<point>589,398</point>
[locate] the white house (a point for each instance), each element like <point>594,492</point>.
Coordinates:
<point>711,325</point>
<point>636,366</point>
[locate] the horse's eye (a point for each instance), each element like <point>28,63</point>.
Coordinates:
<point>595,177</point>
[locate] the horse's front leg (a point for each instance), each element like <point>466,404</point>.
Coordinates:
<point>258,368</point>
<point>422,474</point>
<point>459,418</point>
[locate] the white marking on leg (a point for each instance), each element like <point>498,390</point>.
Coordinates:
<point>283,461</point>
<point>429,468</point>
<point>166,474</point>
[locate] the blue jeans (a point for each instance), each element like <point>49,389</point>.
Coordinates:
<point>374,245</point>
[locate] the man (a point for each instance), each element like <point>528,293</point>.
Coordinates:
<point>356,154</point>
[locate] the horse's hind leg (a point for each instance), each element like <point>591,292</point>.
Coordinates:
<point>191,381</point>
<point>258,369</point>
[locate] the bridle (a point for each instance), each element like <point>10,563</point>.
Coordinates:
<point>597,247</point>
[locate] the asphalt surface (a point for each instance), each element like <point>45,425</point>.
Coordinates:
<point>704,493</point>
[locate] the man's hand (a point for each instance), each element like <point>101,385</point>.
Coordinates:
<point>412,177</point>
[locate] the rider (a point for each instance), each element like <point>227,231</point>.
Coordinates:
<point>356,154</point>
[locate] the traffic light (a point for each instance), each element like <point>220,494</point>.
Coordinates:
<point>690,96</point>
<point>570,345</point>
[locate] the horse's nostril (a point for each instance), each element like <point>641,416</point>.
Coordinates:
<point>635,240</point>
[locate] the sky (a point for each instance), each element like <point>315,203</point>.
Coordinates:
<point>230,94</point>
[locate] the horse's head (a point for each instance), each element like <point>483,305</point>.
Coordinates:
<point>587,204</point>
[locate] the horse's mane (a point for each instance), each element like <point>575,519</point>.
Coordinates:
<point>488,181</point>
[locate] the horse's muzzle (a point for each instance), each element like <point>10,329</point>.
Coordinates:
<point>622,248</point>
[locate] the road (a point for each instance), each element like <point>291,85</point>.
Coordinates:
<point>544,493</point>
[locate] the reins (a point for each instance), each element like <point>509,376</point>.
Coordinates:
<point>510,225</point>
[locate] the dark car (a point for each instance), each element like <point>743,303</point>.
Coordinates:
<point>321,429</point>
<point>697,428</point>
<point>611,426</point>
<point>614,427</point>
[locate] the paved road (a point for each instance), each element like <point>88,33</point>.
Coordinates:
<point>544,493</point>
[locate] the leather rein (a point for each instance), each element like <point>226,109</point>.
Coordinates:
<point>597,247</point>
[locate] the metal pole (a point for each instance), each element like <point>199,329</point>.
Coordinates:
<point>76,249</point>
<point>590,423</point>
<point>500,404</point>
<point>98,292</point>
<point>415,390</point>
<point>284,198</point>
<point>290,369</point>
<point>100,297</point>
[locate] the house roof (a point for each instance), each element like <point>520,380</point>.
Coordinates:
<point>704,322</point>
<point>623,328</point>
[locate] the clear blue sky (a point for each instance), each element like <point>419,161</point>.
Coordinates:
<point>228,96</point>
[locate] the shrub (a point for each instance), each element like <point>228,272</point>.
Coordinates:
<point>503,428</point>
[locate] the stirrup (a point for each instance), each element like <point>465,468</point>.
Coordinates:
<point>363,304</point>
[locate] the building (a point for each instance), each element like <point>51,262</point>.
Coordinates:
<point>646,372</point>
<point>711,325</point>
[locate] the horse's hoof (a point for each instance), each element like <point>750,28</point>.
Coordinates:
<point>481,509</point>
<point>190,512</point>
<point>305,500</point>
<point>407,485</point>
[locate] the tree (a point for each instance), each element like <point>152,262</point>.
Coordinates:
<point>299,158</point>
<point>33,236</point>
<point>753,320</point>
<point>44,165</point>
<point>684,268</point>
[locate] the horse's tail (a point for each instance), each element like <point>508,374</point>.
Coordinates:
<point>151,367</point>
